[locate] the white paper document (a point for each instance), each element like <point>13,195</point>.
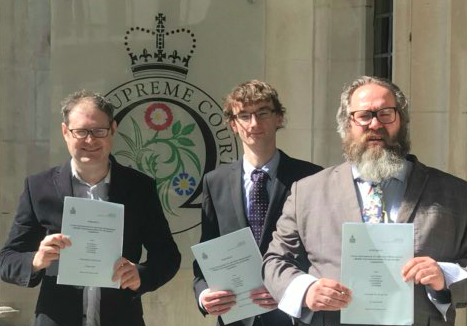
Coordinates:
<point>373,256</point>
<point>233,262</point>
<point>95,229</point>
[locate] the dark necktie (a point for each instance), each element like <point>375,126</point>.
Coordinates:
<point>259,201</point>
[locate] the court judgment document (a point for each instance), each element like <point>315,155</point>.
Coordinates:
<point>373,256</point>
<point>95,229</point>
<point>233,262</point>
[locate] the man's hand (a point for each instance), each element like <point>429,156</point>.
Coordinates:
<point>127,273</point>
<point>218,302</point>
<point>263,298</point>
<point>49,250</point>
<point>327,294</point>
<point>424,270</point>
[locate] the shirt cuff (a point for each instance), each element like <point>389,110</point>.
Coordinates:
<point>452,273</point>
<point>199,299</point>
<point>291,302</point>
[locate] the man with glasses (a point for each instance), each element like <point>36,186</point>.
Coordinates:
<point>249,192</point>
<point>31,252</point>
<point>379,183</point>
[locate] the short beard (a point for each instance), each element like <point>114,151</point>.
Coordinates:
<point>377,163</point>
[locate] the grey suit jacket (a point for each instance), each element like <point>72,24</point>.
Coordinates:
<point>223,212</point>
<point>311,225</point>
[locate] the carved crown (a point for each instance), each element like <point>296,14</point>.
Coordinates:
<point>170,54</point>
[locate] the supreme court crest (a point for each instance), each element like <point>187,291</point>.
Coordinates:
<point>169,128</point>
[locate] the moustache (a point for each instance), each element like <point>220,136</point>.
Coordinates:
<point>380,134</point>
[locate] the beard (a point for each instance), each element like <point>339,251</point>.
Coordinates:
<point>379,162</point>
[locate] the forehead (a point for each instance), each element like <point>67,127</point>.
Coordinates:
<point>371,96</point>
<point>253,107</point>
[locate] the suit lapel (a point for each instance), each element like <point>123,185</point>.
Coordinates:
<point>279,190</point>
<point>415,186</point>
<point>117,192</point>
<point>62,181</point>
<point>345,194</point>
<point>235,178</point>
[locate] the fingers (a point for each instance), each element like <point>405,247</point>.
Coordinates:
<point>49,250</point>
<point>326,294</point>
<point>218,302</point>
<point>425,271</point>
<point>58,240</point>
<point>127,273</point>
<point>259,290</point>
<point>263,298</point>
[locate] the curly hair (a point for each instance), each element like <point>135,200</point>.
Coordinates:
<point>249,93</point>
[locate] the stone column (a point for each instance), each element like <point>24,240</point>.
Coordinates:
<point>309,61</point>
<point>24,116</point>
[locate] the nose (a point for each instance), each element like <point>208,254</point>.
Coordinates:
<point>253,120</point>
<point>89,138</point>
<point>375,124</point>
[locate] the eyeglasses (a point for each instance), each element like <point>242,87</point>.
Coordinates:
<point>95,132</point>
<point>262,114</point>
<point>364,117</point>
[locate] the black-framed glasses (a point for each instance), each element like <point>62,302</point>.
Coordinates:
<point>262,114</point>
<point>384,116</point>
<point>95,132</point>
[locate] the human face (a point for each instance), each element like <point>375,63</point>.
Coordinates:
<point>257,134</point>
<point>373,97</point>
<point>90,151</point>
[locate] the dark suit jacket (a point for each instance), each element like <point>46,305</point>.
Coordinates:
<point>223,212</point>
<point>311,225</point>
<point>40,214</point>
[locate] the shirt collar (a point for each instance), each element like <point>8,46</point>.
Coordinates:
<point>270,167</point>
<point>401,175</point>
<point>75,175</point>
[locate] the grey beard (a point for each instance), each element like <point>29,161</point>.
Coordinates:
<point>379,164</point>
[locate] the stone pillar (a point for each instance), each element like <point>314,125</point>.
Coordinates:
<point>24,116</point>
<point>429,64</point>
<point>309,61</point>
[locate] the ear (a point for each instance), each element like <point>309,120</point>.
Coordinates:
<point>280,121</point>
<point>64,130</point>
<point>113,127</point>
<point>233,125</point>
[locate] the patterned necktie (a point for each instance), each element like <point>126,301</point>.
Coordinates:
<point>373,205</point>
<point>259,201</point>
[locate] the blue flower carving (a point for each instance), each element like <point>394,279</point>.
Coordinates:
<point>184,184</point>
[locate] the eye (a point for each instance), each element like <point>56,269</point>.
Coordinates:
<point>363,115</point>
<point>243,116</point>
<point>80,132</point>
<point>100,132</point>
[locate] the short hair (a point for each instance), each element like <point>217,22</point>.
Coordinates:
<point>343,113</point>
<point>98,100</point>
<point>249,93</point>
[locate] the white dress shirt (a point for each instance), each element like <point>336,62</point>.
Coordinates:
<point>99,191</point>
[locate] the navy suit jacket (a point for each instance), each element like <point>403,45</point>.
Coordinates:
<point>40,214</point>
<point>223,212</point>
